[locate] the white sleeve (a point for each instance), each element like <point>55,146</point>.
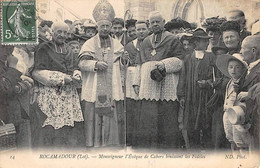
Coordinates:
<point>49,78</point>
<point>137,76</point>
<point>87,65</point>
<point>172,64</point>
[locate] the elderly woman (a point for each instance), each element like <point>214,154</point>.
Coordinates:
<point>58,102</point>
<point>231,36</point>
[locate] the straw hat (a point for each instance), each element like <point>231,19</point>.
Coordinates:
<point>236,114</point>
<point>222,62</point>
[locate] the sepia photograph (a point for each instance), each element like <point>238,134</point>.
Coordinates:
<point>130,83</point>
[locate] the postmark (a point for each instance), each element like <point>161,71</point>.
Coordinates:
<point>19,23</point>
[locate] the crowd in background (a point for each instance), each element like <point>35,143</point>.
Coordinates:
<point>219,69</point>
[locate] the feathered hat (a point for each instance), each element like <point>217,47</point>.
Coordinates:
<point>213,23</point>
<point>103,11</point>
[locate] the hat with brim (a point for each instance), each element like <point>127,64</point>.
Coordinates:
<point>236,114</point>
<point>184,36</point>
<point>219,46</point>
<point>157,75</point>
<point>200,33</point>
<point>89,24</point>
<point>223,60</point>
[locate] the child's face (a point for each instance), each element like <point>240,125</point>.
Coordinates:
<point>175,31</point>
<point>235,69</point>
<point>187,45</point>
<point>90,32</point>
<point>75,48</point>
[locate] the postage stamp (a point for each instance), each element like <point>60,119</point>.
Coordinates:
<point>19,24</point>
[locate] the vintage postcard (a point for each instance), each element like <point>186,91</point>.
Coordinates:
<point>19,22</point>
<point>129,83</point>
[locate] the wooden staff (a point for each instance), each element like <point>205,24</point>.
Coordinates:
<point>128,15</point>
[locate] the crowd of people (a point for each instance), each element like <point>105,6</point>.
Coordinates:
<point>145,84</point>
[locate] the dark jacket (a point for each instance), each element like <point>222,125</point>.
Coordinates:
<point>252,111</point>
<point>14,96</point>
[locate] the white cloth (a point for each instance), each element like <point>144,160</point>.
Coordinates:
<point>89,75</point>
<point>153,90</point>
<point>22,56</point>
<point>130,93</point>
<point>118,38</point>
<point>49,78</point>
<point>199,54</point>
<point>60,104</point>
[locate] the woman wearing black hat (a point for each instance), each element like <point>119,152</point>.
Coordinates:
<point>231,36</point>
<point>198,69</point>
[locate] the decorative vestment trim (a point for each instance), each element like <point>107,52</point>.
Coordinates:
<point>87,61</point>
<point>61,105</point>
<point>104,78</point>
<point>164,90</point>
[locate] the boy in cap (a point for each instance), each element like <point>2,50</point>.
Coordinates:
<point>90,28</point>
<point>235,68</point>
<point>75,47</point>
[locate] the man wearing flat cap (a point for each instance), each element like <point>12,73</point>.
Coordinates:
<point>99,62</point>
<point>156,81</point>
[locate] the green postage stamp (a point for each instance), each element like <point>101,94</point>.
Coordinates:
<point>19,24</point>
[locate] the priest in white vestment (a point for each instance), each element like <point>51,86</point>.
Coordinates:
<point>102,93</point>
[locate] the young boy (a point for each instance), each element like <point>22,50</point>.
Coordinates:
<point>75,47</point>
<point>90,29</point>
<point>235,68</point>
